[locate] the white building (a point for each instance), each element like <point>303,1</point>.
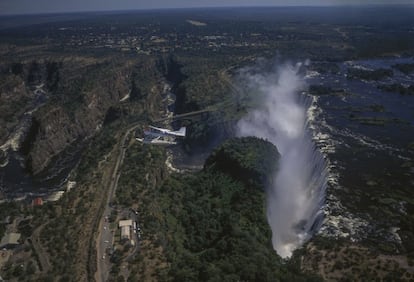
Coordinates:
<point>125,226</point>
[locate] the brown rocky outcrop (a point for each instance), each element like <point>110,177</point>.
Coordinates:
<point>62,123</point>
<point>79,105</point>
<point>69,97</point>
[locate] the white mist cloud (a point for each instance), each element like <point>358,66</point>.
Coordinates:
<point>294,201</point>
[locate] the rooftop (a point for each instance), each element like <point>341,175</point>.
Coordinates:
<point>127,222</point>
<point>10,239</point>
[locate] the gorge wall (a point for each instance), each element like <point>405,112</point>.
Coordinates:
<point>66,100</point>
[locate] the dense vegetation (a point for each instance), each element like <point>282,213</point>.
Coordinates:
<point>212,224</point>
<point>248,160</point>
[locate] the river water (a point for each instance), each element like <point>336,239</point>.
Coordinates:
<point>345,150</point>
<point>365,133</point>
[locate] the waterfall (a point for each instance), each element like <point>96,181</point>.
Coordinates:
<point>280,115</point>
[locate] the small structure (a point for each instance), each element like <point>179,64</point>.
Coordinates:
<point>55,196</point>
<point>37,202</point>
<point>10,240</point>
<point>125,232</point>
<point>127,222</point>
<point>70,185</point>
<point>125,226</point>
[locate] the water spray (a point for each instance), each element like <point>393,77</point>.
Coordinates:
<point>296,196</point>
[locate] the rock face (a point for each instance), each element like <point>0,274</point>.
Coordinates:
<point>68,99</point>
<point>75,111</point>
<point>53,131</point>
<point>15,99</point>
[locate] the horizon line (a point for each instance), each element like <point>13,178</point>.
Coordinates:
<point>351,5</point>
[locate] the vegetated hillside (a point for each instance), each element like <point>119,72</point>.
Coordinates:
<point>249,160</point>
<point>212,225</point>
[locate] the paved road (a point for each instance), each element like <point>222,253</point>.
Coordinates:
<point>105,237</point>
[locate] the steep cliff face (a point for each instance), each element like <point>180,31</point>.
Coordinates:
<point>71,97</point>
<point>86,98</point>
<point>53,131</point>
<point>15,99</point>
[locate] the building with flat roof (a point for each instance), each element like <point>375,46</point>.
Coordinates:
<point>125,232</point>
<point>55,196</point>
<point>125,226</point>
<point>127,222</point>
<point>10,240</point>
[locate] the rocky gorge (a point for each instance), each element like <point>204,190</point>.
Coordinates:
<point>52,104</point>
